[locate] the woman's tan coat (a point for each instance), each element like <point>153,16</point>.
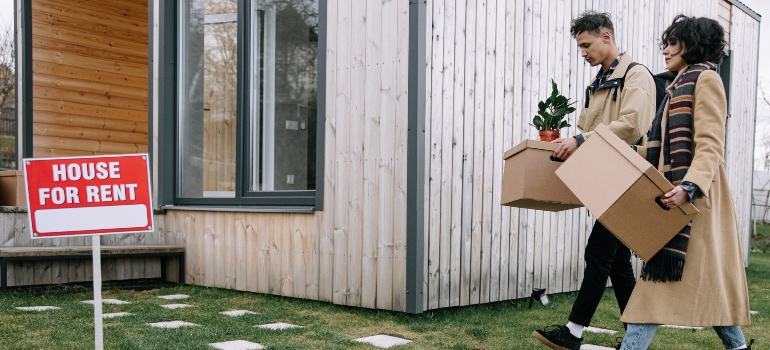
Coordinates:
<point>713,289</point>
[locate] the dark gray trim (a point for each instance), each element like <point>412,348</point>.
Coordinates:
<point>151,91</point>
<point>26,85</point>
<point>277,198</point>
<point>16,82</point>
<point>249,209</point>
<point>746,9</point>
<point>243,67</point>
<point>321,105</point>
<point>167,100</point>
<point>725,72</point>
<point>415,169</point>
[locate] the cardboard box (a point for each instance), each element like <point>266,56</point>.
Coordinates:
<point>12,192</point>
<point>619,188</point>
<point>529,180</point>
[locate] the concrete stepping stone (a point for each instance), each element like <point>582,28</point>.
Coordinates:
<point>172,324</point>
<point>174,297</point>
<point>753,312</point>
<point>237,345</point>
<point>599,330</point>
<point>37,308</point>
<point>682,327</point>
<point>383,341</point>
<point>236,313</point>
<point>107,301</point>
<point>594,347</point>
<point>116,314</point>
<point>176,306</point>
<point>278,326</point>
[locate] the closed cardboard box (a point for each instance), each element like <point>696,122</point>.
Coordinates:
<point>529,179</point>
<point>619,188</point>
<point>12,191</point>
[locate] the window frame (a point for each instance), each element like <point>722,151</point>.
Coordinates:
<point>306,201</point>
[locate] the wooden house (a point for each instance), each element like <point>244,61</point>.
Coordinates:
<point>338,150</point>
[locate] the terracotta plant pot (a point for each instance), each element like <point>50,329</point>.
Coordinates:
<point>548,135</point>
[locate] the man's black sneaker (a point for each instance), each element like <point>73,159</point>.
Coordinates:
<point>558,337</point>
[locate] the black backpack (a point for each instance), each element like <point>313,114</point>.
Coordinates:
<point>662,80</point>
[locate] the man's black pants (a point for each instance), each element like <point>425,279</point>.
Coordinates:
<point>605,257</point>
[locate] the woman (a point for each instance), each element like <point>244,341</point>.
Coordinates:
<point>698,278</point>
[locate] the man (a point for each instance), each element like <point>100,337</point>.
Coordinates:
<point>628,110</point>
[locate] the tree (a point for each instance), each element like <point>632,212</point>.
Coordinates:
<point>7,97</point>
<point>764,150</point>
<point>7,73</point>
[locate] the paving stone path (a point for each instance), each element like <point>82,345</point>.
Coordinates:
<point>381,341</point>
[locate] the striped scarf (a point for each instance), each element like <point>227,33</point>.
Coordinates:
<point>668,263</point>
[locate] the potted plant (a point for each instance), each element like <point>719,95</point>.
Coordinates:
<point>551,113</point>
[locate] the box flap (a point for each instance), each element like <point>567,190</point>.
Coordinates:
<point>658,179</point>
<point>662,183</point>
<point>533,144</point>
<point>597,173</point>
<point>623,148</point>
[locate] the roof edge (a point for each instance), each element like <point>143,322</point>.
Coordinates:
<point>746,9</point>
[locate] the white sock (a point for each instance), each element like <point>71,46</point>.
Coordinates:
<point>575,329</point>
<point>744,346</point>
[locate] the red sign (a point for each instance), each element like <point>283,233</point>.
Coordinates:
<point>76,196</point>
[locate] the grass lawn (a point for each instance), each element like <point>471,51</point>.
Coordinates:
<point>502,325</point>
<point>761,241</point>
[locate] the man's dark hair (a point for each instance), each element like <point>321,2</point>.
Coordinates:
<point>592,22</point>
<point>703,37</point>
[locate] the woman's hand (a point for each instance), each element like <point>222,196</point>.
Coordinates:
<point>675,197</point>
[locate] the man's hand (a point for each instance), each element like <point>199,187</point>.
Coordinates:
<point>567,146</point>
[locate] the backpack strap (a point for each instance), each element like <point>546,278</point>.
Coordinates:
<point>617,83</point>
<point>623,79</point>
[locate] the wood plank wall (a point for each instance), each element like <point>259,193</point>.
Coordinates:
<point>725,15</point>
<point>89,76</point>
<point>489,62</point>
<point>354,251</point>
<point>14,232</point>
<point>741,123</point>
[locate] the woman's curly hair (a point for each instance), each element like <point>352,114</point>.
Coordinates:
<point>703,37</point>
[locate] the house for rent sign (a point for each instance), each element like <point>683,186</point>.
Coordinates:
<point>76,196</point>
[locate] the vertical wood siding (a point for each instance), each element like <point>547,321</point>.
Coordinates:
<point>741,121</point>
<point>354,251</point>
<point>89,75</point>
<point>489,62</point>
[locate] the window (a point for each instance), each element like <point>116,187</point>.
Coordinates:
<point>247,113</point>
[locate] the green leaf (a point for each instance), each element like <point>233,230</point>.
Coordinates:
<point>553,110</point>
<point>555,91</point>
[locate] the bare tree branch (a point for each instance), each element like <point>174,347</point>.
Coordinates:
<point>7,74</point>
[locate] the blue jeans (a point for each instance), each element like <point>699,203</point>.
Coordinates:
<point>639,336</point>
